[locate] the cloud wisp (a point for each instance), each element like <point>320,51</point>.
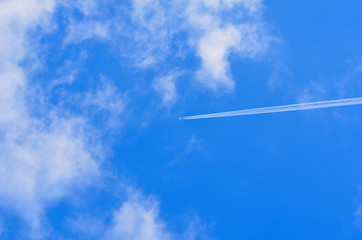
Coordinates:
<point>284,108</point>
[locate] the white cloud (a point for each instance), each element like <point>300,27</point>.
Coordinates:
<point>213,48</point>
<point>86,29</point>
<point>219,28</point>
<point>16,18</point>
<point>251,5</point>
<point>41,158</point>
<point>215,28</point>
<point>86,7</point>
<point>42,164</point>
<point>69,72</point>
<point>108,102</point>
<point>107,98</point>
<point>93,23</point>
<point>44,158</point>
<point>138,219</point>
<point>149,33</point>
<point>166,87</point>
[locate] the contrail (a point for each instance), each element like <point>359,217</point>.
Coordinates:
<point>284,108</point>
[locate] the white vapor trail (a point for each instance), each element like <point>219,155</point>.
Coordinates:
<point>285,108</point>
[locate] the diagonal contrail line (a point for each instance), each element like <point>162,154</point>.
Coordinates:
<point>284,108</point>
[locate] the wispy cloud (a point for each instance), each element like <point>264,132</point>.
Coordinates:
<point>42,158</point>
<point>138,218</point>
<point>107,102</point>
<point>219,28</point>
<point>214,30</point>
<point>41,165</point>
<point>87,29</point>
<point>46,156</point>
<point>69,72</point>
<point>166,87</point>
<point>49,152</point>
<point>213,49</point>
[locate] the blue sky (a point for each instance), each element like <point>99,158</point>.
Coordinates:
<point>90,142</point>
